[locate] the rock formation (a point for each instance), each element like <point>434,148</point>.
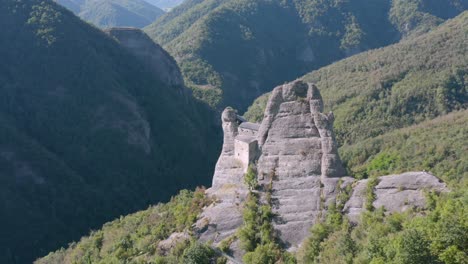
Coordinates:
<point>397,193</point>
<point>153,55</point>
<point>295,152</point>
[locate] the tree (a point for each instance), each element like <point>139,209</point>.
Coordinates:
<point>198,254</point>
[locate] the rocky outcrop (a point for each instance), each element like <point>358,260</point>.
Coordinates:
<point>160,62</point>
<point>295,153</point>
<point>396,193</point>
<point>294,148</point>
<point>221,219</point>
<point>299,153</point>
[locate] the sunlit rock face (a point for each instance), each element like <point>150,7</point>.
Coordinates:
<point>299,156</point>
<point>294,152</point>
<point>396,193</point>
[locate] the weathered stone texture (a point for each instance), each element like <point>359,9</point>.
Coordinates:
<point>298,154</point>
<point>221,219</point>
<point>396,193</point>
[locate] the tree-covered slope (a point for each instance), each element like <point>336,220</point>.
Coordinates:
<point>114,13</point>
<point>87,132</point>
<point>379,91</point>
<point>231,51</point>
<point>438,145</point>
<point>135,238</point>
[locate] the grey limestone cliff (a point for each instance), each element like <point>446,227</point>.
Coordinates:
<point>294,152</point>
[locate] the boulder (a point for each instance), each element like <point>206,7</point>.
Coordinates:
<point>396,193</point>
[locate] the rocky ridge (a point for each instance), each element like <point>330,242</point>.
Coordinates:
<point>150,53</point>
<point>294,151</point>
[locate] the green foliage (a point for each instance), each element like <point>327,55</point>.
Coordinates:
<point>135,237</point>
<point>411,237</point>
<point>311,248</point>
<point>198,254</point>
<point>370,194</point>
<point>413,247</point>
<point>225,244</point>
<point>383,163</point>
<point>263,254</point>
<point>257,235</point>
<point>250,178</point>
<point>248,234</point>
<point>256,110</point>
<point>434,146</point>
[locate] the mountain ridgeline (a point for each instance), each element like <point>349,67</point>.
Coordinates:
<point>88,129</point>
<point>114,13</point>
<point>231,51</point>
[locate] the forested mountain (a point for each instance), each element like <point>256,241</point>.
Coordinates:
<point>428,75</point>
<point>87,131</point>
<point>383,90</point>
<point>165,4</point>
<point>114,13</point>
<point>231,51</point>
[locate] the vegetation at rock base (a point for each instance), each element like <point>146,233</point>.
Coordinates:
<point>257,235</point>
<point>88,135</point>
<point>231,51</point>
<point>114,13</point>
<point>370,194</point>
<point>437,235</point>
<point>135,238</point>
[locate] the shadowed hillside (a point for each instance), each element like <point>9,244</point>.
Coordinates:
<point>88,132</point>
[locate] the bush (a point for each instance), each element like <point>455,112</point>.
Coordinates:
<point>198,254</point>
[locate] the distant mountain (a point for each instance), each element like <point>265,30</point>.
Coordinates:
<point>165,4</point>
<point>379,96</point>
<point>114,13</point>
<point>231,51</point>
<point>91,127</point>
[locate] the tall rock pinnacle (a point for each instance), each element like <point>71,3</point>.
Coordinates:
<point>297,163</point>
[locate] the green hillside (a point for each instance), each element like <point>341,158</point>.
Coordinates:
<point>231,51</point>
<point>88,135</point>
<point>134,238</point>
<point>383,90</point>
<point>114,13</point>
<point>437,145</point>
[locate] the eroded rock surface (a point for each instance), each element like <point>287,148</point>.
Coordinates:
<point>294,152</point>
<point>221,219</point>
<point>396,193</point>
<point>298,150</point>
